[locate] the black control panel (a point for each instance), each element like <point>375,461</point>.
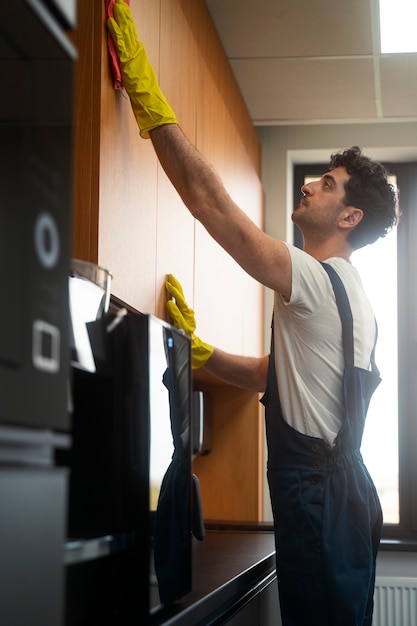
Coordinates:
<point>36,112</point>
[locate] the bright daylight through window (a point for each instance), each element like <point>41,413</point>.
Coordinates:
<point>398,26</point>
<point>380,439</point>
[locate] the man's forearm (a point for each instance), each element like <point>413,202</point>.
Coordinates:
<point>246,372</point>
<point>266,259</point>
<point>204,194</point>
<point>195,180</point>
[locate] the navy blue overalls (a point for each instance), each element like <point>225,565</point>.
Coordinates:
<point>327,514</point>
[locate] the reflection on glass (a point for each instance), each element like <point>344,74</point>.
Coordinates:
<point>170,461</point>
<point>161,444</point>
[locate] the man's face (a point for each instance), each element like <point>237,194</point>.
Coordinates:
<point>321,205</point>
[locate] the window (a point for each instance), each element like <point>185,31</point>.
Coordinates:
<point>377,265</point>
<point>388,270</point>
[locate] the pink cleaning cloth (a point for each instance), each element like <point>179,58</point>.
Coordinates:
<point>114,61</point>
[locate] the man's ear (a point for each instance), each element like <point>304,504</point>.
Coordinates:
<point>351,217</point>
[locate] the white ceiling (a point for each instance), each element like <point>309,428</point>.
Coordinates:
<point>314,62</point>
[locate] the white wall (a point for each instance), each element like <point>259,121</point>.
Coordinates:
<point>397,564</point>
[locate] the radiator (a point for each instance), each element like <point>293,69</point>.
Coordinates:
<point>395,601</point>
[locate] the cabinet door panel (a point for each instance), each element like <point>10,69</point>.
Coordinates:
<point>230,475</point>
<point>128,217</point>
<point>128,183</point>
<point>178,78</point>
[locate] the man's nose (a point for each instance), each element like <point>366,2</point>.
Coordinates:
<point>306,189</point>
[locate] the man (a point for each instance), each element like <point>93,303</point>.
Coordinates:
<point>320,374</point>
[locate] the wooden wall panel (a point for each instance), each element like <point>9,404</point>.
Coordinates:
<point>228,303</point>
<point>178,79</point>
<point>229,474</point>
<point>86,131</point>
<point>128,217</point>
<point>214,58</point>
<point>128,181</point>
<point>217,282</point>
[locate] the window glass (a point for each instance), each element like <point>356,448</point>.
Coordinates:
<point>377,265</point>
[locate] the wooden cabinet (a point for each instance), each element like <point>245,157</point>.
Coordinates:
<point>128,217</point>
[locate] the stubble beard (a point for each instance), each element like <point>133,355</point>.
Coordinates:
<point>313,228</point>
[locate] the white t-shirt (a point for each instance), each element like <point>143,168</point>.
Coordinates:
<point>308,344</point>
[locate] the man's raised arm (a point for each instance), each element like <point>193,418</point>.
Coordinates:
<point>264,258</point>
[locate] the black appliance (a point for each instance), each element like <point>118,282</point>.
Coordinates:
<point>131,488</point>
<point>36,111</point>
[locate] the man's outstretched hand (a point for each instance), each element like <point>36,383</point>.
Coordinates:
<point>149,104</point>
<point>183,317</point>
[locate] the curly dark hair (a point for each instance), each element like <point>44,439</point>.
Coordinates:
<point>367,189</point>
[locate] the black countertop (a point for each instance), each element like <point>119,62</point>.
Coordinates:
<point>231,565</point>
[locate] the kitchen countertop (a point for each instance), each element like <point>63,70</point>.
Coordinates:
<point>230,566</point>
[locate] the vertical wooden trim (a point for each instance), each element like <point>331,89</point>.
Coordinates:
<point>87,38</point>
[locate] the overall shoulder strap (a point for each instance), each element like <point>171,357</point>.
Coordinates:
<point>345,313</point>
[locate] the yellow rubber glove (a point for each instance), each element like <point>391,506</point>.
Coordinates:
<point>148,102</point>
<point>183,317</point>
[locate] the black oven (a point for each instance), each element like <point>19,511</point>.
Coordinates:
<point>130,500</point>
